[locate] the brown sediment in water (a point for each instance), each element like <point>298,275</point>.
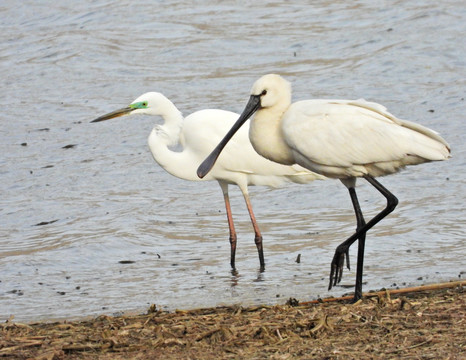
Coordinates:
<point>426,322</point>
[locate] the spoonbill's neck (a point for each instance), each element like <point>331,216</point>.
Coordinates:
<point>266,135</point>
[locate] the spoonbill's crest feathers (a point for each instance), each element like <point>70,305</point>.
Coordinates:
<point>273,90</point>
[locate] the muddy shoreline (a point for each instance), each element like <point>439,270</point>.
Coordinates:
<point>425,322</point>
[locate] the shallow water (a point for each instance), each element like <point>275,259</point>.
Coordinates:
<point>70,215</point>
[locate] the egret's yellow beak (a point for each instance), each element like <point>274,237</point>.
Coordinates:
<point>114,114</point>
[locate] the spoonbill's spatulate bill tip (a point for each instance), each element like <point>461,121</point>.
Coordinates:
<point>207,165</point>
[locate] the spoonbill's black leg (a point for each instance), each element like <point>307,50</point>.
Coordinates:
<point>342,249</point>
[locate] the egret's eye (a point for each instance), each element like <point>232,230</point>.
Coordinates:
<point>264,92</point>
<point>144,103</point>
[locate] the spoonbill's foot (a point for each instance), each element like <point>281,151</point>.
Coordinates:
<point>336,267</point>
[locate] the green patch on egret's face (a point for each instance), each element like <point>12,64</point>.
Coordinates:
<point>139,105</point>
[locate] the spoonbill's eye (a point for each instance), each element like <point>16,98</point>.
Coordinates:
<point>264,92</point>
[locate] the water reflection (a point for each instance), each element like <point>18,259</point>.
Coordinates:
<point>235,277</point>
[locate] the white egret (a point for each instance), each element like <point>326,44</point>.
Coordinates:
<point>198,134</point>
<point>340,139</point>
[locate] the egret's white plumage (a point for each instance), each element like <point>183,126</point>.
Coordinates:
<point>197,134</point>
<point>342,139</point>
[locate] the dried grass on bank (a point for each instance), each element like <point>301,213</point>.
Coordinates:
<point>427,324</point>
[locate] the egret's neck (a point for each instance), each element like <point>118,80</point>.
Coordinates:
<point>169,131</point>
<point>162,137</point>
<point>266,135</point>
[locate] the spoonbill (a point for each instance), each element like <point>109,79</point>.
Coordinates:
<point>197,134</point>
<point>341,139</point>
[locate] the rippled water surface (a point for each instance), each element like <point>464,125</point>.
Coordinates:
<point>90,224</point>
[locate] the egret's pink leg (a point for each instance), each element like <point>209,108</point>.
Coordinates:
<point>231,226</point>
<point>258,235</point>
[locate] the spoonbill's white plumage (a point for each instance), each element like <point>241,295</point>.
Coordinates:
<point>342,139</point>
<point>197,134</point>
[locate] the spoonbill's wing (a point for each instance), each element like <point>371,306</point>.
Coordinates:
<point>343,135</point>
